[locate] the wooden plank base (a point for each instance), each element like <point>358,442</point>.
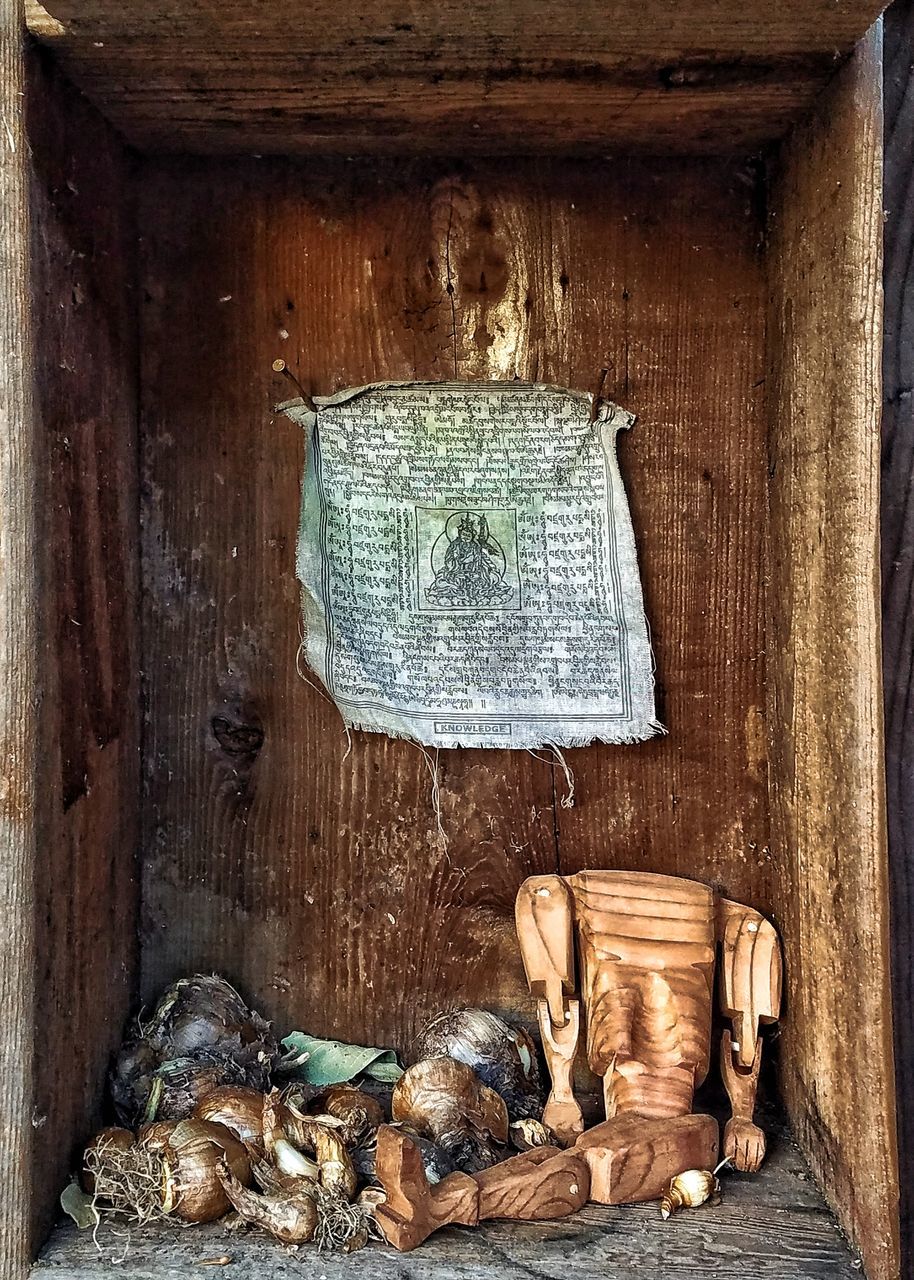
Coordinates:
<point>774,1226</point>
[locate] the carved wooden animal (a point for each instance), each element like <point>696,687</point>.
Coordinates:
<point>647,946</point>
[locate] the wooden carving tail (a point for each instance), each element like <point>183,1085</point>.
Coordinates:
<point>414,1209</point>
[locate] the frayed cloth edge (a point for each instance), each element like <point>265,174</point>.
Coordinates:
<point>644,733</point>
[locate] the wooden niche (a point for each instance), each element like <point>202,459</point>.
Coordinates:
<point>684,208</point>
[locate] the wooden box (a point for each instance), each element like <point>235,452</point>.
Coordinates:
<point>687,198</point>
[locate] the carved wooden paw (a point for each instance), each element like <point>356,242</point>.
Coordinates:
<point>564,1119</point>
<point>744,1145</point>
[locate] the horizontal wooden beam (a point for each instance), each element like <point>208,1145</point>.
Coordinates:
<point>457,76</point>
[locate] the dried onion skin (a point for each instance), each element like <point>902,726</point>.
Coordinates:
<point>200,1036</point>
<point>238,1108</point>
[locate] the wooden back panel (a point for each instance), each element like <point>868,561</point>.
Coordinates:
<point>311,872</point>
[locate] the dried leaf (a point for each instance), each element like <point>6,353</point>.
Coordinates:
<point>79,1206</point>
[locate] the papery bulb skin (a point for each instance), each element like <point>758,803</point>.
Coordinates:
<point>442,1099</point>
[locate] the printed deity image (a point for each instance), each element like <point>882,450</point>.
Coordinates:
<point>468,566</point>
<point>468,563</point>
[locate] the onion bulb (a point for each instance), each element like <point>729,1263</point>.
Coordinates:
<point>170,1168</point>
<point>192,1189</point>
<point>239,1109</point>
<point>200,1036</point>
<point>358,1112</point>
<point>155,1136</point>
<point>290,1216</point>
<point>106,1141</point>
<point>335,1164</point>
<point>502,1056</point>
<point>443,1100</point>
<point>287,1158</point>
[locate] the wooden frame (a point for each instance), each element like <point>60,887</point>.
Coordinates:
<point>92,362</point>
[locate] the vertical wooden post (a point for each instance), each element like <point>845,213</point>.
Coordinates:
<point>20,658</point>
<point>825,696</point>
<point>898,565</point>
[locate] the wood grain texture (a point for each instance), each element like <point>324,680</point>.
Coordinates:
<point>311,871</point>
<point>632,1158</point>
<point>85,366</point>
<point>771,1227</point>
<point>413,1209</point>
<point>453,77</point>
<point>898,565</point>
<point>23,774</point>
<point>685,352</point>
<point>537,1186</point>
<point>825,710</point>
<point>316,877</point>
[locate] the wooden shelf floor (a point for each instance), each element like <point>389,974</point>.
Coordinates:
<point>775,1226</point>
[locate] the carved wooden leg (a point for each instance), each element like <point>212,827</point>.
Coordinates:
<point>414,1209</point>
<point>632,1157</point>
<point>539,1185</point>
<point>560,1045</point>
<point>744,1141</point>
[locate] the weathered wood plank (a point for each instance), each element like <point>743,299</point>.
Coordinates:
<point>425,270</point>
<point>23,769</point>
<point>825,709</point>
<point>85,367</point>
<point>312,872</point>
<point>453,77</point>
<point>771,1227</point>
<point>687,322</point>
<point>898,565</point>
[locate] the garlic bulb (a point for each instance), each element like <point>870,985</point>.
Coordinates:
<point>192,1187</point>
<point>689,1190</point>
<point>443,1100</point>
<point>239,1109</point>
<point>502,1056</point>
<point>290,1216</point>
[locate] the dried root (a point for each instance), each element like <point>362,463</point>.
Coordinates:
<point>127,1181</point>
<point>340,1225</point>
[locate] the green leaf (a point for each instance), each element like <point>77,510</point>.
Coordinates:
<point>325,1062</point>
